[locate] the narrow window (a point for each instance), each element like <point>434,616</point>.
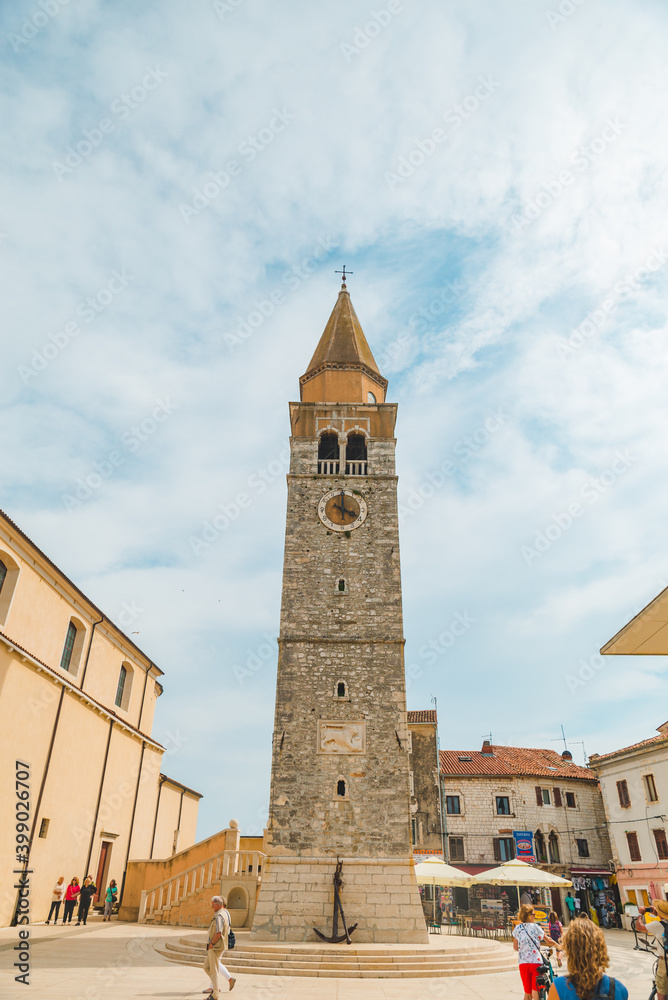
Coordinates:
<point>651,793</point>
<point>342,586</point>
<point>44,828</point>
<point>328,454</point>
<point>546,796</point>
<point>634,847</point>
<point>539,840</point>
<point>356,455</point>
<point>502,805</point>
<point>341,689</point>
<point>583,848</point>
<point>70,639</point>
<point>553,844</point>
<point>623,793</point>
<point>456,848</point>
<point>570,800</point>
<point>452,805</point>
<point>661,843</point>
<point>414,832</point>
<point>121,686</point>
<point>3,573</point>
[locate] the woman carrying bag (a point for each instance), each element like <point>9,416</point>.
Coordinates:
<point>527,938</point>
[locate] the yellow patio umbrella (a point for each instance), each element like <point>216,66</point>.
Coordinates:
<point>518,872</point>
<point>434,871</point>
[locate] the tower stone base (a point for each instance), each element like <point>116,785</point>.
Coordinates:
<point>379,894</point>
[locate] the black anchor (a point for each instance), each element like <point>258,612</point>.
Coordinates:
<point>337,938</point>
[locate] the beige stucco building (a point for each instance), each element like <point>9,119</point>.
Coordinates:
<point>77,699</point>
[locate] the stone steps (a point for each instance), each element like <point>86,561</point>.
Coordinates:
<point>371,963</point>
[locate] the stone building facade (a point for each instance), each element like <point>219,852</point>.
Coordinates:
<point>340,767</point>
<point>80,769</point>
<point>492,794</point>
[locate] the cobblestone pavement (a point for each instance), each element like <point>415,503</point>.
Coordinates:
<point>118,961</point>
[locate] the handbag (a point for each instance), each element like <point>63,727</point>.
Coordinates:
<point>231,940</point>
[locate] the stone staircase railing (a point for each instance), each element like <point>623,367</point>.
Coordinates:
<point>241,866</point>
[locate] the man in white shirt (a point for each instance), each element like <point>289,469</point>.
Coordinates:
<point>216,944</point>
<point>651,924</point>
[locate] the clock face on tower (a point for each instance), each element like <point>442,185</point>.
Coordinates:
<point>342,510</point>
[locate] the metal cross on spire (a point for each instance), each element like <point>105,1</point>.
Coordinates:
<point>345,274</point>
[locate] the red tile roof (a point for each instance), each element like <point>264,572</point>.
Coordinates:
<point>424,715</point>
<point>661,738</point>
<point>509,761</point>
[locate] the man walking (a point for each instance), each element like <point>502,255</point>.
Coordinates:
<point>216,944</point>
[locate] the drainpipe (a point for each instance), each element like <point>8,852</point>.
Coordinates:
<point>99,796</point>
<point>39,800</point>
<point>90,645</point>
<point>157,808</point>
<point>132,824</point>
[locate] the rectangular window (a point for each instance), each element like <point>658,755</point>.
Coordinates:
<point>428,894</point>
<point>661,843</point>
<point>651,793</point>
<point>456,848</point>
<point>452,806</point>
<point>546,796</point>
<point>44,828</point>
<point>502,805</point>
<point>570,800</point>
<point>623,793</point>
<point>634,847</point>
<point>68,647</point>
<point>504,848</point>
<point>411,783</point>
<point>583,848</point>
<point>414,830</point>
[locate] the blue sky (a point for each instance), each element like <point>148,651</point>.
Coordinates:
<point>180,183</point>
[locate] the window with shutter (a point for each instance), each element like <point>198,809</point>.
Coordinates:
<point>661,844</point>
<point>539,795</point>
<point>623,793</point>
<point>456,848</point>
<point>497,849</point>
<point>557,796</point>
<point>634,847</point>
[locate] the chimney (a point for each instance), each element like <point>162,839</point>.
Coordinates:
<point>487,748</point>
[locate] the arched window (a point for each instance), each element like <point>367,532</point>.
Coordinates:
<point>539,841</point>
<point>341,689</point>
<point>341,788</point>
<point>122,677</point>
<point>356,458</point>
<point>328,454</point>
<point>370,398</point>
<point>553,843</point>
<point>342,586</point>
<point>73,645</point>
<point>9,574</point>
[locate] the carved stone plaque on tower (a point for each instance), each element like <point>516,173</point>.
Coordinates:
<point>341,737</point>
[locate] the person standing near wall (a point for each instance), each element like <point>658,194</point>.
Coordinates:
<point>58,893</point>
<point>88,890</point>
<point>110,899</point>
<point>219,929</point>
<point>71,894</point>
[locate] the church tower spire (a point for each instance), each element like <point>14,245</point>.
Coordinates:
<point>343,368</point>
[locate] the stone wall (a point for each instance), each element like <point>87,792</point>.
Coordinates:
<point>425,807</point>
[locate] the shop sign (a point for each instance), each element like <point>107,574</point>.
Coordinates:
<point>524,845</point>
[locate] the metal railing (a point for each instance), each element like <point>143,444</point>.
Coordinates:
<point>246,865</point>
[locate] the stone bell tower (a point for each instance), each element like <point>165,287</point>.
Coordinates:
<point>340,779</point>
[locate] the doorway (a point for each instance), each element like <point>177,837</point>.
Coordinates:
<point>556,904</point>
<point>102,870</point>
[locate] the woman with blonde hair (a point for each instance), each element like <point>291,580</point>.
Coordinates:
<point>587,957</point>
